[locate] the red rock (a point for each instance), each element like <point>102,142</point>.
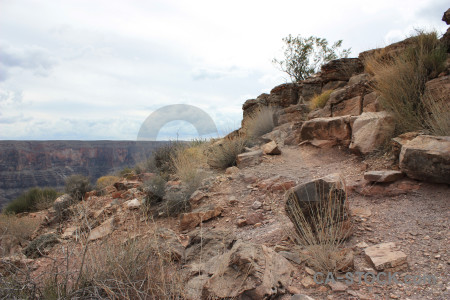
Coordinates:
<point>116,195</point>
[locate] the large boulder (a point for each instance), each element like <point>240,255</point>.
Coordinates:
<point>341,69</point>
<point>335,129</point>
<point>247,271</point>
<point>427,158</point>
<point>371,130</point>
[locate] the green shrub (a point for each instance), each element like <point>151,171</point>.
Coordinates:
<point>126,173</point>
<point>77,186</point>
<point>319,101</point>
<point>223,154</point>
<point>259,123</point>
<point>304,56</point>
<point>32,200</point>
<point>154,189</point>
<point>401,81</point>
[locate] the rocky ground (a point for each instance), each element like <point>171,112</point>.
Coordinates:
<point>249,204</point>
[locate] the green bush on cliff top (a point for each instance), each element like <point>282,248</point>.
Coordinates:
<point>32,200</point>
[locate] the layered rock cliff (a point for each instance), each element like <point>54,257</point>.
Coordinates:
<point>26,164</point>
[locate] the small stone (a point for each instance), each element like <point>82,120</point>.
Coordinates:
<point>292,256</point>
<point>362,245</point>
<point>102,230</point>
<point>308,282</point>
<point>310,271</point>
<point>253,218</point>
<point>133,204</point>
<point>385,256</point>
<point>232,170</point>
<point>256,205</point>
<point>241,222</point>
<point>383,176</point>
<point>271,148</point>
<point>293,290</point>
<point>301,297</point>
<point>393,296</point>
<point>337,286</point>
<point>437,256</point>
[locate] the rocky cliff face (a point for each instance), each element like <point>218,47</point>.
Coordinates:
<point>26,164</point>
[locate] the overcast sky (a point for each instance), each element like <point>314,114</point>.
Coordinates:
<point>97,69</point>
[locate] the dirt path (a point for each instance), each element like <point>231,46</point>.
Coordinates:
<point>418,222</point>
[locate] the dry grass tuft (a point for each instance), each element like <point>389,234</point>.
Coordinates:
<point>322,227</point>
<point>260,122</point>
<point>105,181</point>
<point>223,154</point>
<point>188,164</point>
<point>20,227</point>
<point>400,80</point>
<point>319,101</point>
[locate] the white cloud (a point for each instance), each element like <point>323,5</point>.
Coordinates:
<point>96,69</point>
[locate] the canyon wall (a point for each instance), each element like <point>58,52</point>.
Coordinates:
<point>26,164</point>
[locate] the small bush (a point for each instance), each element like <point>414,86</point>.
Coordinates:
<point>32,200</point>
<point>400,81</point>
<point>126,173</point>
<point>438,117</point>
<point>161,160</point>
<point>319,101</point>
<point>105,181</point>
<point>77,186</point>
<point>223,155</point>
<point>187,163</point>
<point>260,122</point>
<point>176,202</point>
<point>154,189</point>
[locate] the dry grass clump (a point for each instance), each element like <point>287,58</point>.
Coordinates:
<point>222,154</point>
<point>105,181</point>
<point>260,122</point>
<point>189,163</point>
<point>322,227</point>
<point>20,227</point>
<point>319,101</point>
<point>400,80</point>
<point>132,270</point>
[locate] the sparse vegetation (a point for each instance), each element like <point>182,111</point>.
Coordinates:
<point>154,189</point>
<point>319,101</point>
<point>400,80</point>
<point>223,154</point>
<point>188,163</point>
<point>260,123</point>
<point>105,181</point>
<point>161,161</point>
<point>77,186</point>
<point>33,200</point>
<point>304,56</point>
<point>176,202</point>
<point>22,227</point>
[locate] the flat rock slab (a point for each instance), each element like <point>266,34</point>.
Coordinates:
<point>104,229</point>
<point>192,219</point>
<point>383,176</point>
<point>386,256</point>
<point>249,159</point>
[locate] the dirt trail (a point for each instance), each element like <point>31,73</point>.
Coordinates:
<point>418,222</point>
